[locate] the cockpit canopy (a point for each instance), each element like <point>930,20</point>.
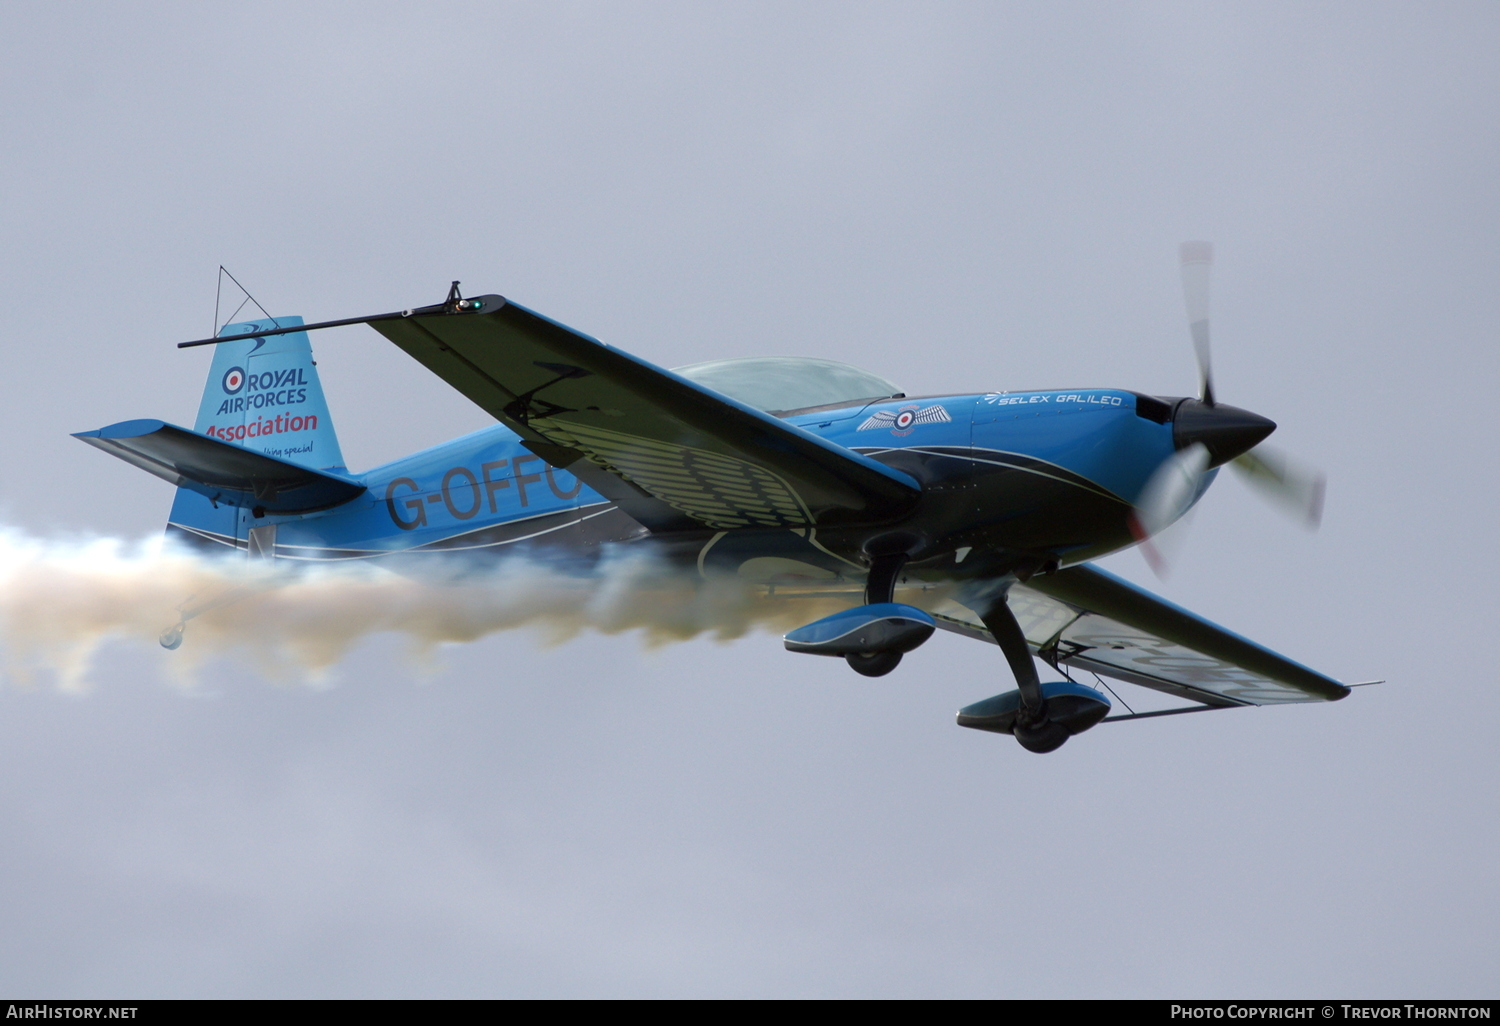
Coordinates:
<point>779,383</point>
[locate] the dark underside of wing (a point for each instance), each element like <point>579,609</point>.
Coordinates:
<point>1090,620</point>
<point>671,453</point>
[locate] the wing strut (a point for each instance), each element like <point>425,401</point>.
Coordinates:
<point>1167,712</point>
<point>1131,714</point>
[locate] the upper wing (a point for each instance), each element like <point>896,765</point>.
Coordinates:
<point>1086,618</point>
<point>702,458</point>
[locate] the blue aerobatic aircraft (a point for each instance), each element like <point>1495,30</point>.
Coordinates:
<point>980,511</point>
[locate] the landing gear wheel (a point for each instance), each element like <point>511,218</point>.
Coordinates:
<point>874,664</point>
<point>1040,738</point>
<point>171,638</point>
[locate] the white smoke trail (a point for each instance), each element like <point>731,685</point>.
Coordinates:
<point>60,601</point>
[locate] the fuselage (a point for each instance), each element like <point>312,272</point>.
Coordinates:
<point>1009,479</point>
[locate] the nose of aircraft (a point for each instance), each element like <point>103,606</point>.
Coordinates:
<point>1225,431</point>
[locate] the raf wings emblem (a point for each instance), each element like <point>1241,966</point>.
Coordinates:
<point>904,421</point>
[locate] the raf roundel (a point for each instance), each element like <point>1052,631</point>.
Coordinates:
<point>234,380</point>
<point>904,421</point>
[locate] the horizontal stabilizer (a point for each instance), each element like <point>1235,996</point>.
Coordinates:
<point>224,472</point>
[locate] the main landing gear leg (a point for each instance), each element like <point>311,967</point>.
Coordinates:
<point>880,586</point>
<point>871,637</point>
<point>1032,727</point>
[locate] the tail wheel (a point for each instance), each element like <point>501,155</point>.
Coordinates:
<point>874,664</point>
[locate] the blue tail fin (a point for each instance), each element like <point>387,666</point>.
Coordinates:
<point>263,394</point>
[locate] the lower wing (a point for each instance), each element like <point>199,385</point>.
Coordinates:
<point>1091,620</point>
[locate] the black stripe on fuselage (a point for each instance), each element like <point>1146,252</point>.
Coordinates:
<point>1005,460</point>
<point>601,522</point>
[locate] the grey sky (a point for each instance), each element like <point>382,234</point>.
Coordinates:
<point>956,197</point>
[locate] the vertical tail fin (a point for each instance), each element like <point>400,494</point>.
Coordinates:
<point>264,394</point>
